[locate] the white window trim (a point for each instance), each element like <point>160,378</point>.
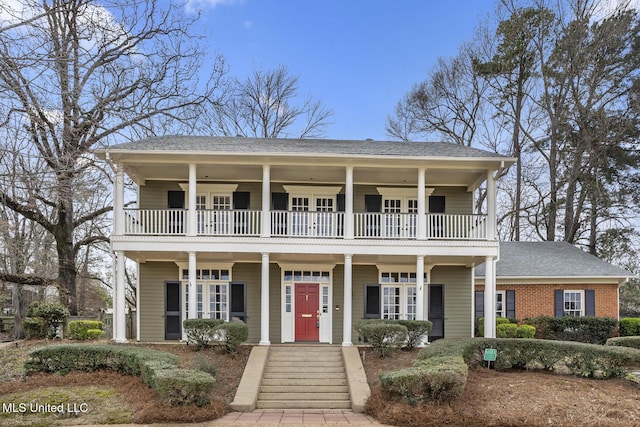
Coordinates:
<point>582,300</point>
<point>404,290</point>
<point>503,312</point>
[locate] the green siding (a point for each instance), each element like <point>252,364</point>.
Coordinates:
<point>338,299</point>
<point>457,199</point>
<point>153,276</point>
<point>275,304</point>
<point>362,274</point>
<point>250,274</point>
<point>153,195</point>
<point>457,299</point>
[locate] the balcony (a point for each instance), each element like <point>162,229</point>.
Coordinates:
<point>304,224</point>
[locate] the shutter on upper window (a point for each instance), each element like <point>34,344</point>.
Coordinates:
<point>241,200</point>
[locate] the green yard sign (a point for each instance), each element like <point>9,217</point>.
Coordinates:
<point>490,354</point>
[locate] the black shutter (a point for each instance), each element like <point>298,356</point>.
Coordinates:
<point>175,199</point>
<point>238,301</point>
<point>241,218</point>
<point>241,200</point>
<point>559,302</point>
<point>372,203</point>
<point>479,304</point>
<point>340,207</point>
<point>372,301</point>
<point>436,204</point>
<point>590,302</point>
<point>511,304</point>
<point>279,201</point>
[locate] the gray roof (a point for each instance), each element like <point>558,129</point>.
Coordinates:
<point>223,144</point>
<point>550,259</point>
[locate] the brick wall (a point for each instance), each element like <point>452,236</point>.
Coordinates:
<point>538,300</point>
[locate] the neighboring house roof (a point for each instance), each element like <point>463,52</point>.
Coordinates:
<point>550,260</point>
<point>237,145</point>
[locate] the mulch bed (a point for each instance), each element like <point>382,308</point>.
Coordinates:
<point>510,398</point>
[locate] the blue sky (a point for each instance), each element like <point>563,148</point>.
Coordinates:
<point>358,57</point>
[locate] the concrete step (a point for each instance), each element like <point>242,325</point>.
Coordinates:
<point>307,369</point>
<point>306,382</point>
<point>305,363</point>
<point>298,375</point>
<point>307,356</point>
<point>319,389</point>
<point>303,404</point>
<point>303,396</point>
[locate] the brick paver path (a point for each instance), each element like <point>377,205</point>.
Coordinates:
<point>301,417</point>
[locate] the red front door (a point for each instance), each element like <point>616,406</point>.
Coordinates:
<point>307,312</point>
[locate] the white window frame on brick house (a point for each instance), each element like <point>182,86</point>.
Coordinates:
<point>569,298</point>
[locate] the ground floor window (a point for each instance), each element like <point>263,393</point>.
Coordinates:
<point>212,288</point>
<point>398,296</point>
<point>501,304</point>
<point>573,303</point>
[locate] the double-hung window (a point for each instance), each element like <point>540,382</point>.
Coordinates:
<point>574,303</point>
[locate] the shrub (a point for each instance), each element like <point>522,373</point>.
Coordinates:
<point>526,331</point>
<point>184,386</point>
<point>34,327</point>
<point>200,331</point>
<point>580,359</point>
<point>94,334</point>
<point>633,342</point>
<point>383,337</point>
<point>228,336</point>
<point>78,329</point>
<point>629,326</point>
<point>51,316</point>
<point>593,330</point>
<point>157,368</point>
<point>506,330</point>
<point>204,364</point>
<point>499,321</point>
<point>437,379</point>
<point>417,330</point>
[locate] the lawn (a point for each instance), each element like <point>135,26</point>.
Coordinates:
<point>490,397</point>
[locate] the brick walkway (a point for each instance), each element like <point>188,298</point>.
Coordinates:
<point>295,417</point>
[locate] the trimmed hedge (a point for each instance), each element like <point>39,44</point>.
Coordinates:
<point>438,374</point>
<point>592,330</point>
<point>436,379</point>
<point>417,330</point>
<point>383,337</point>
<point>633,342</point>
<point>499,321</point>
<point>79,329</point>
<point>629,327</point>
<point>228,336</point>
<point>200,331</point>
<point>157,368</point>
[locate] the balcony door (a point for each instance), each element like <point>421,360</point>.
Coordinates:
<point>312,215</point>
<point>400,219</point>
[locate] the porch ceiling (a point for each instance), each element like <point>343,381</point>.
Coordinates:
<point>321,174</point>
<point>306,259</point>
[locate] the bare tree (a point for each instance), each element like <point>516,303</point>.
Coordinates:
<point>79,74</point>
<point>267,104</point>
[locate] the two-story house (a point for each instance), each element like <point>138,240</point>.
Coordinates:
<point>301,239</point>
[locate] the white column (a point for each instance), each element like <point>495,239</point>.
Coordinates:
<point>193,289</point>
<point>489,298</point>
<point>491,206</point>
<point>264,301</point>
<point>348,204</point>
<point>119,312</point>
<point>118,202</point>
<point>420,287</point>
<point>422,206</point>
<point>348,301</point>
<point>138,301</point>
<point>266,201</point>
<point>191,215</point>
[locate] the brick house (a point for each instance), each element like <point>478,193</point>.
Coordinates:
<point>551,279</point>
<point>301,239</point>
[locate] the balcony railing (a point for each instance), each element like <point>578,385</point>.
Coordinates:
<point>162,222</point>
